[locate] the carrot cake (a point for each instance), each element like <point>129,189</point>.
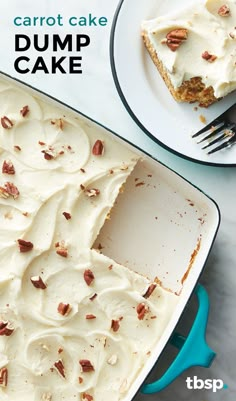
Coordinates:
<point>194,50</point>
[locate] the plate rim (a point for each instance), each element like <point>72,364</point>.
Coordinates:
<point>130,111</point>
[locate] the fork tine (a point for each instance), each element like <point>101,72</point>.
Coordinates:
<point>216,140</point>
<point>210,127</point>
<point>214,131</point>
<point>231,140</point>
<point>226,133</point>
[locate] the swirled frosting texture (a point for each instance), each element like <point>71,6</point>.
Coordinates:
<point>207,32</point>
<point>87,332</point>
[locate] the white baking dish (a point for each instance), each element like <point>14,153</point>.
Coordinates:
<point>162,226</point>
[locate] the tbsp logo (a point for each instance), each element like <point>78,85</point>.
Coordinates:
<point>209,384</point>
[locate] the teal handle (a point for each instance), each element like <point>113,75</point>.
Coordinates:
<point>193,348</point>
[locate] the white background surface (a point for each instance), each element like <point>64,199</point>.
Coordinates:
<point>94,93</point>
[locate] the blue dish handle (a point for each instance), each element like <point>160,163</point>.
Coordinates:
<point>193,348</point>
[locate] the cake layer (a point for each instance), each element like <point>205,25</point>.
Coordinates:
<point>196,42</point>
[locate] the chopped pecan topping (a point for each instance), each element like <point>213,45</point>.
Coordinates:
<point>86,365</point>
<point>90,316</point>
<point>115,325</point>
<point>24,111</point>
<point>41,143</point>
<point>3,193</point>
<point>92,192</point>
<point>98,148</point>
<point>8,168</point>
<point>208,57</point>
<point>17,148</point>
<point>64,309</point>
<point>48,155</point>
<point>80,379</point>
<point>88,276</point>
<point>6,122</point>
<point>61,249</point>
<point>141,310</point>
<point>6,328</point>
<point>87,397</point>
<point>59,123</point>
<point>93,296</point>
<point>25,246</point>
<point>149,291</point>
<point>9,190</point>
<point>60,367</point>
<point>175,38</point>
<point>62,252</point>
<point>224,11</point>
<point>67,215</point>
<point>112,360</point>
<point>60,350</point>
<point>3,377</point>
<point>38,282</point>
<point>82,170</point>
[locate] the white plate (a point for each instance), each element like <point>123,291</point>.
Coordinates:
<point>145,94</point>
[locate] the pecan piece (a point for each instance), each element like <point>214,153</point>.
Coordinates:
<point>64,309</point>
<point>6,122</point>
<point>224,11</point>
<point>93,296</point>
<point>87,397</point>
<point>8,168</point>
<point>38,282</point>
<point>47,155</point>
<point>3,193</point>
<point>3,377</point>
<point>175,38</point>
<point>86,365</point>
<point>17,148</point>
<point>92,192</point>
<point>115,325</point>
<point>88,276</point>
<point>12,189</point>
<point>6,328</point>
<point>141,310</point>
<point>61,249</point>
<point>24,111</point>
<point>98,148</point>
<point>60,367</point>
<point>25,246</point>
<point>208,57</point>
<point>90,316</point>
<point>62,252</point>
<point>67,215</point>
<point>149,291</point>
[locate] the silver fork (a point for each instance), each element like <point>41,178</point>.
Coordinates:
<point>220,132</point>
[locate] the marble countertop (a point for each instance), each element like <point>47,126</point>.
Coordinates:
<point>94,94</point>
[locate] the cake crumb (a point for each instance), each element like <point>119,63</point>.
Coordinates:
<point>202,119</point>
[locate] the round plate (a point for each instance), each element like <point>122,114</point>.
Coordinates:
<point>145,94</point>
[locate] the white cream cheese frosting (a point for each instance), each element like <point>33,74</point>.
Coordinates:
<point>207,31</point>
<point>74,324</point>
